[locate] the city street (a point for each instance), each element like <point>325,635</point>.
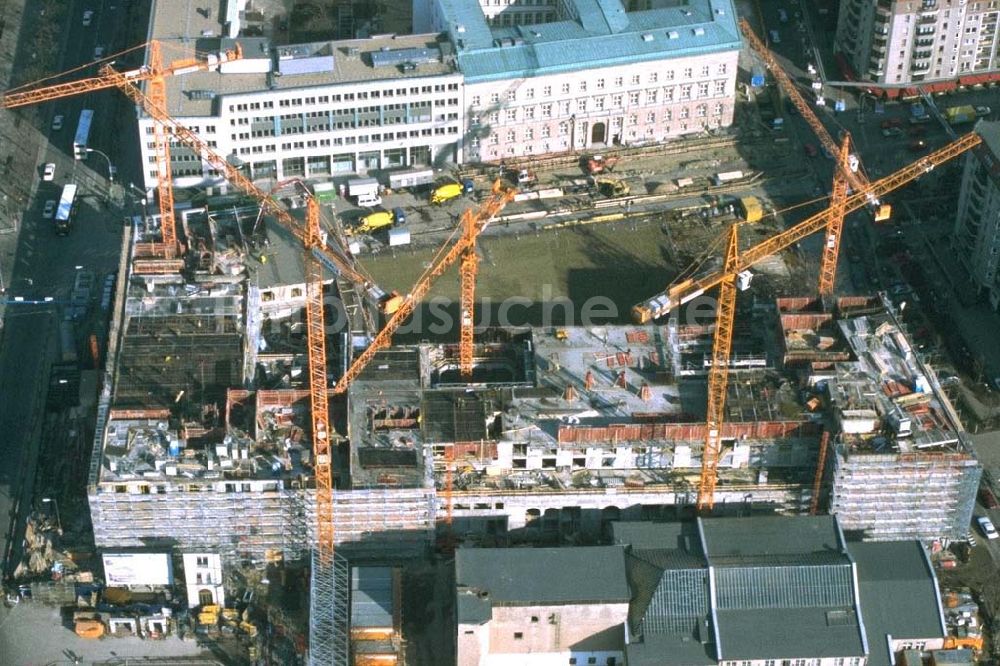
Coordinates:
<point>43,265</point>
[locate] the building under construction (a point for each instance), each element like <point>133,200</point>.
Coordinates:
<point>204,441</point>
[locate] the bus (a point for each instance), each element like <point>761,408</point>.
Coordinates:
<point>82,134</point>
<point>66,210</point>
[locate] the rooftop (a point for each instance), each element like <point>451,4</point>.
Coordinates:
<point>537,576</point>
<point>601,29</point>
<point>894,575</point>
<point>267,67</point>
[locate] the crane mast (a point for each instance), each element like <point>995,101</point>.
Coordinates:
<point>318,396</point>
<point>836,212</point>
<point>718,374</point>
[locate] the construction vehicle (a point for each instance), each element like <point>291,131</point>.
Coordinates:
<point>88,624</point>
<point>737,262</point>
<point>956,115</point>
<point>373,222</point>
<point>597,164</point>
<point>446,193</point>
<point>612,187</point>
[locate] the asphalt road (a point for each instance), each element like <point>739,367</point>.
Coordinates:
<point>45,264</point>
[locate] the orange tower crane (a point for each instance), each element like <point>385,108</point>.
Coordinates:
<point>472,224</point>
<point>318,396</point>
<point>846,174</point>
<point>718,373</point>
<point>155,73</point>
<point>735,263</point>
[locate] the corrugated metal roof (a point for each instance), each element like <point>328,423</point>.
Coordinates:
<point>749,588</point>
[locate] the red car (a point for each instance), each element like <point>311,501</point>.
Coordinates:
<point>811,150</point>
<point>892,122</point>
<point>988,499</point>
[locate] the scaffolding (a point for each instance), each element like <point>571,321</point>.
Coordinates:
<point>329,610</point>
<point>898,496</point>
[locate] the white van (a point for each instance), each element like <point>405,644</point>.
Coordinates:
<point>369,200</point>
<point>775,37</point>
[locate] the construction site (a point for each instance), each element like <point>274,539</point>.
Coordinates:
<point>254,404</point>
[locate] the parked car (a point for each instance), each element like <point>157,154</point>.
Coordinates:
<point>98,52</point>
<point>88,16</point>
<point>986,525</point>
<point>49,210</point>
<point>49,172</point>
<point>811,150</point>
<point>57,122</point>
<point>983,111</point>
<point>892,131</point>
<point>892,122</point>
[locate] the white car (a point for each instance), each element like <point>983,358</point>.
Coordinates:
<point>98,52</point>
<point>88,16</point>
<point>983,111</point>
<point>57,122</point>
<point>49,210</point>
<point>49,172</point>
<point>986,525</point>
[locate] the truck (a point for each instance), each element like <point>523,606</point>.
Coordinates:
<point>374,222</point>
<point>956,115</point>
<point>446,192</point>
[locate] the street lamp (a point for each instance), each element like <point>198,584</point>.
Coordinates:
<point>111,169</point>
<point>55,504</point>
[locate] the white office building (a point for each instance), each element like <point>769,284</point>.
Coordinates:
<point>480,82</point>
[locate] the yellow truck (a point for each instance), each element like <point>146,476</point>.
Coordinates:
<point>446,193</point>
<point>373,222</point>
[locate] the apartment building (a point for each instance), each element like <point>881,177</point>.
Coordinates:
<point>940,43</point>
<point>479,82</point>
<point>977,225</point>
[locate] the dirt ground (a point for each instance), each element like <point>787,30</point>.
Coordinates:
<point>623,263</point>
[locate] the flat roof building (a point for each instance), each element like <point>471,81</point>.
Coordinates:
<point>475,84</point>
